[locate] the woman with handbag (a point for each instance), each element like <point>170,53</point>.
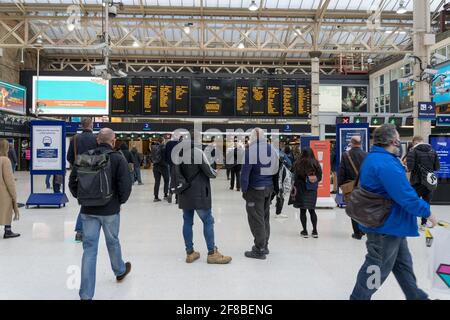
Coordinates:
<point>8,195</point>
<point>308,174</point>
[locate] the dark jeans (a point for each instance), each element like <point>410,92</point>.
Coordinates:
<point>279,205</point>
<point>236,176</point>
<point>159,171</point>
<point>47,181</point>
<point>208,228</point>
<point>388,253</point>
<point>258,212</point>
<point>425,194</point>
<point>304,220</point>
<point>137,174</point>
<point>228,173</point>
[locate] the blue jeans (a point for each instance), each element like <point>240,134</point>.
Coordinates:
<point>91,233</point>
<point>79,225</point>
<point>208,228</point>
<point>388,253</point>
<point>47,181</point>
<point>137,174</point>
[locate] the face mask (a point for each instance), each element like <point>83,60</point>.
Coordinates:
<point>398,150</point>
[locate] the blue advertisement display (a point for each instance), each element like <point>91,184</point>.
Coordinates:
<point>441,86</point>
<point>442,147</point>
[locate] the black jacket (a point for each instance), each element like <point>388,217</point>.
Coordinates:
<point>85,141</point>
<point>198,195</point>
<point>346,172</point>
<point>126,153</point>
<point>168,151</point>
<point>424,155</point>
<point>304,198</point>
<point>121,185</point>
<point>12,156</point>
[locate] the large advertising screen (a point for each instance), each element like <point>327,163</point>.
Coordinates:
<point>354,99</point>
<point>441,86</point>
<point>12,97</point>
<point>442,146</point>
<point>330,98</point>
<point>70,95</point>
<point>405,96</point>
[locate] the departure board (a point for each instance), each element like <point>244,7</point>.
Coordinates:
<point>134,96</point>
<point>258,97</point>
<point>274,98</point>
<point>304,100</point>
<point>118,96</point>
<point>165,96</point>
<point>289,99</point>
<point>242,98</point>
<point>150,96</point>
<point>208,96</point>
<point>182,97</point>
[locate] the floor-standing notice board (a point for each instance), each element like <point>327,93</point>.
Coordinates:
<point>48,149</point>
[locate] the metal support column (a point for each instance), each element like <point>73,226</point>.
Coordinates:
<point>422,26</point>
<point>315,85</point>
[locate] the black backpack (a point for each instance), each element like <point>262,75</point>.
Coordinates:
<point>427,177</point>
<point>94,178</point>
<point>157,154</point>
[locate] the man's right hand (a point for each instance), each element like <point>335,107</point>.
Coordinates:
<point>432,218</point>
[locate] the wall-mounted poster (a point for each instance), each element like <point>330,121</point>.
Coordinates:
<point>12,97</point>
<point>354,99</point>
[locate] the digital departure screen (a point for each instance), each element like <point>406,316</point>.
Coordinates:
<point>150,96</point>
<point>134,96</point>
<point>274,98</point>
<point>258,97</point>
<point>165,96</point>
<point>182,97</point>
<point>118,96</point>
<point>242,98</point>
<point>304,100</point>
<point>289,98</point>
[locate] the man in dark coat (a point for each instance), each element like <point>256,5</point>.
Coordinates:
<point>197,171</point>
<point>354,157</point>
<point>421,154</point>
<point>79,144</point>
<point>105,217</point>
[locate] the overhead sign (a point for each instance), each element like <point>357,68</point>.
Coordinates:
<point>395,121</point>
<point>443,121</point>
<point>344,120</point>
<point>427,110</point>
<point>377,121</point>
<point>359,119</point>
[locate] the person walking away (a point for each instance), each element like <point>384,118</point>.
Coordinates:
<point>421,158</point>
<point>12,155</point>
<point>8,194</point>
<point>57,183</point>
<point>307,175</point>
<point>198,198</point>
<point>170,145</point>
<point>137,160</point>
<point>235,166</point>
<point>99,210</point>
<point>125,151</point>
<point>387,247</point>
<point>348,171</point>
<point>258,182</point>
<point>79,144</point>
<point>160,169</point>
<point>284,180</point>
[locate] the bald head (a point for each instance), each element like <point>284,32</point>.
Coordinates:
<point>106,135</point>
<point>356,141</point>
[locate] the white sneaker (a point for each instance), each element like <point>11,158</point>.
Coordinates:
<point>281,216</point>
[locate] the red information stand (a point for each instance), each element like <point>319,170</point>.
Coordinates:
<point>322,153</point>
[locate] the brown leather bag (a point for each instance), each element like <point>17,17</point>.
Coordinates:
<point>367,208</point>
<point>348,187</point>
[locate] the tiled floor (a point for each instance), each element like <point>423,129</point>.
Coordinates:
<point>44,262</point>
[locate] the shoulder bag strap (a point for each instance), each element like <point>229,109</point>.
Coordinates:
<point>352,163</point>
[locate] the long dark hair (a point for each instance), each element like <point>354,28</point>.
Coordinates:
<point>307,164</point>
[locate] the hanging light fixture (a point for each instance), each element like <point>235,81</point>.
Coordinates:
<point>241,46</point>
<point>70,27</point>
<point>39,40</point>
<point>187,28</point>
<point>253,6</point>
<point>401,7</point>
<point>135,44</point>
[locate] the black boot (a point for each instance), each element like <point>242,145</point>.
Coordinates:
<point>255,254</point>
<point>9,234</point>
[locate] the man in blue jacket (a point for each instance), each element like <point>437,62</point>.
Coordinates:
<point>387,247</point>
<point>257,183</point>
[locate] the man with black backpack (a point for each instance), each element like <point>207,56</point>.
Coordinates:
<point>101,182</point>
<point>160,168</point>
<point>422,161</point>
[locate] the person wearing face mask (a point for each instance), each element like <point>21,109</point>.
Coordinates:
<point>387,247</point>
